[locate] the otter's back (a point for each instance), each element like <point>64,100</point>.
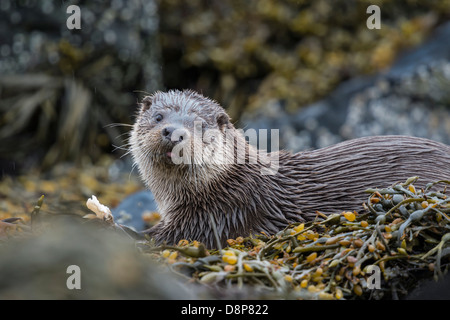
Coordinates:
<point>338,175</point>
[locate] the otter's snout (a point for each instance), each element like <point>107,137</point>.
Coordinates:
<point>174,134</point>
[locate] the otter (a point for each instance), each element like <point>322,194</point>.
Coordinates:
<point>238,194</point>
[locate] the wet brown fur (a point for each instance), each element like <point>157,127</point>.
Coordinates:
<point>243,201</point>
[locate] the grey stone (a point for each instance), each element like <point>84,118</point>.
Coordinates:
<point>129,211</point>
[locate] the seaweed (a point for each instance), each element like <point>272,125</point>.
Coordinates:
<point>402,232</point>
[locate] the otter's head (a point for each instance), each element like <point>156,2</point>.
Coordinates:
<point>179,133</point>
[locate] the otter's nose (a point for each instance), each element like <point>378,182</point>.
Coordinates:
<point>174,134</point>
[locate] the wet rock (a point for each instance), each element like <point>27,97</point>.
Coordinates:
<point>431,290</point>
<point>129,211</point>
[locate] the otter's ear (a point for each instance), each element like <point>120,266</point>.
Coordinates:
<point>223,121</point>
<point>145,104</point>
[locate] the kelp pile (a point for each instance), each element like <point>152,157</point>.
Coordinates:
<point>401,236</point>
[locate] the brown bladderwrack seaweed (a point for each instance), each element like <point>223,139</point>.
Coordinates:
<point>403,232</point>
<point>243,201</point>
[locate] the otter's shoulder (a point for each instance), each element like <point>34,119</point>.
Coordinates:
<point>387,141</point>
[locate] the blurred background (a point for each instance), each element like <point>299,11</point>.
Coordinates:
<point>309,68</point>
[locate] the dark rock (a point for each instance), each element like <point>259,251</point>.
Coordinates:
<point>124,30</point>
<point>432,290</point>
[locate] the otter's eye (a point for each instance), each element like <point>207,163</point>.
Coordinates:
<point>158,117</point>
<point>198,126</point>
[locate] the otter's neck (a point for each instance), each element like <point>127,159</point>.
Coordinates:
<point>240,200</point>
